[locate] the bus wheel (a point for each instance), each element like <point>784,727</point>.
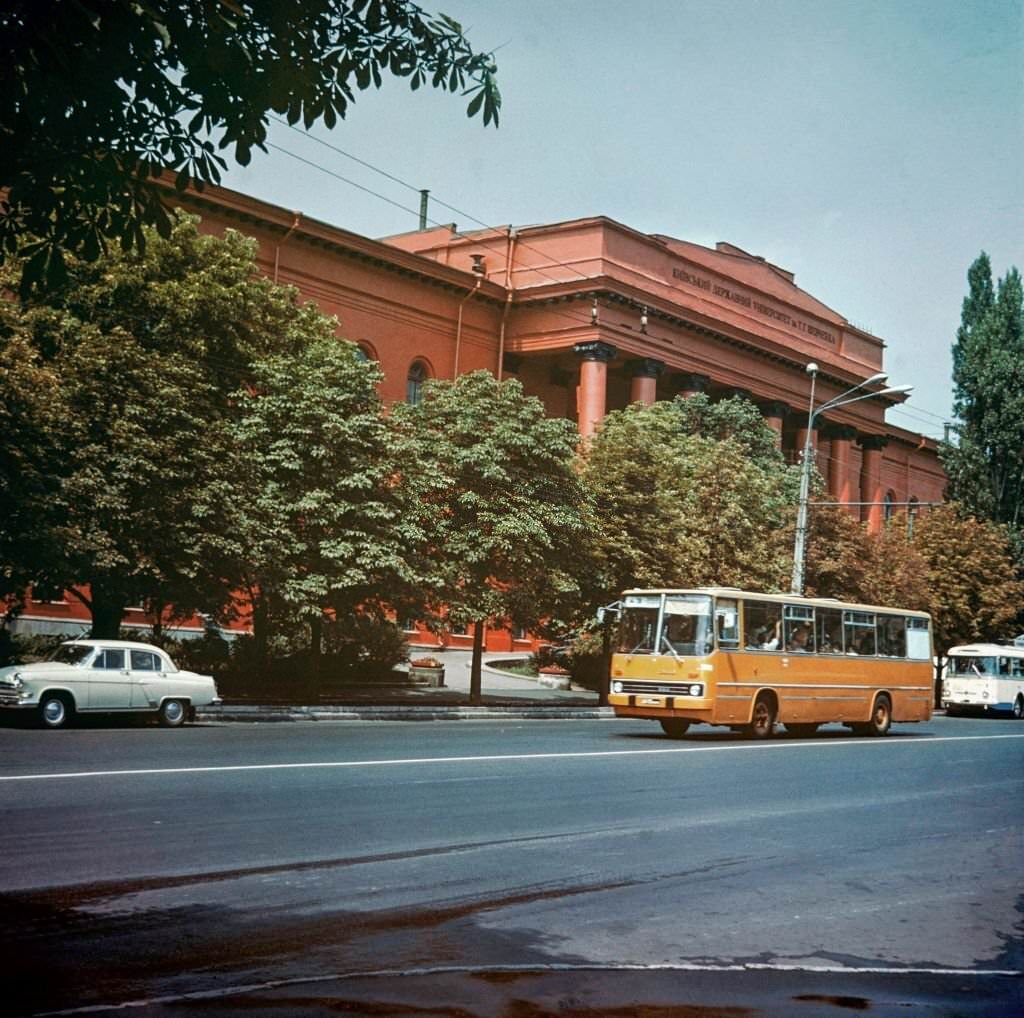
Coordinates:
<point>801,729</point>
<point>1018,708</point>
<point>762,725</point>
<point>881,717</point>
<point>674,728</point>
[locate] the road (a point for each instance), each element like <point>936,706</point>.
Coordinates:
<point>511,868</point>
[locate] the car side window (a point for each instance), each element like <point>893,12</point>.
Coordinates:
<point>144,661</point>
<point>110,659</point>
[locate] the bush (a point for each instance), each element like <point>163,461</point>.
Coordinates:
<point>23,648</point>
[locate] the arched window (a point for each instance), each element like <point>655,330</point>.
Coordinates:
<point>912,510</point>
<point>364,351</point>
<point>414,382</point>
<point>887,509</point>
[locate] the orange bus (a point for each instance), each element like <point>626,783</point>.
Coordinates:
<point>722,656</point>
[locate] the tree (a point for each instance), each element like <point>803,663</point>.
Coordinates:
<point>986,464</point>
<point>691,493</point>
<point>120,381</point>
<point>319,523</point>
<point>505,516</point>
<point>973,591</point>
<point>98,97</point>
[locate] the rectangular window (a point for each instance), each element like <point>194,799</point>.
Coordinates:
<point>830,630</point>
<point>144,661</point>
<point>919,644</point>
<point>687,627</point>
<point>859,633</point>
<point>762,625</point>
<point>892,636</point>
<point>639,623</point>
<point>112,660</point>
<point>798,628</point>
<point>727,623</point>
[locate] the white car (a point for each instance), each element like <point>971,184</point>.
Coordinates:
<point>97,676</point>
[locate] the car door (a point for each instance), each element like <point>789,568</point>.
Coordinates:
<point>110,681</point>
<point>147,670</point>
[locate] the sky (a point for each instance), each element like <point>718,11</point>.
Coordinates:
<point>873,147</point>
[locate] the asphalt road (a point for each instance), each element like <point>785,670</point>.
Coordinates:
<point>515,869</point>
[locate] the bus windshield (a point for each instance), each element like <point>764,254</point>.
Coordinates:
<point>971,666</point>
<point>687,629</point>
<point>638,624</point>
<point>686,625</point>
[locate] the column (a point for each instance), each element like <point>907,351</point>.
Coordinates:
<point>801,439</point>
<point>841,436</point>
<point>592,395</point>
<point>644,386</point>
<point>690,384</point>
<point>871,480</point>
<point>774,414</point>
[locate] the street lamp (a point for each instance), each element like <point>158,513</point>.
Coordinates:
<point>797,584</point>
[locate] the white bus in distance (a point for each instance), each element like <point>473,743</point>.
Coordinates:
<point>984,678</point>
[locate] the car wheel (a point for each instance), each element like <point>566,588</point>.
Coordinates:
<point>881,717</point>
<point>1018,708</point>
<point>674,728</point>
<point>762,725</point>
<point>801,729</point>
<point>55,710</point>
<point>172,713</point>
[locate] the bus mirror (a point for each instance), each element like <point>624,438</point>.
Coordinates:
<point>608,613</point>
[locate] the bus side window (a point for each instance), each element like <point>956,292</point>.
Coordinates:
<point>799,628</point>
<point>1004,666</point>
<point>727,624</point>
<point>830,631</point>
<point>762,625</point>
<point>892,636</point>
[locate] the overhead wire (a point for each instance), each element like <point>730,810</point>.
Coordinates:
<point>494,244</point>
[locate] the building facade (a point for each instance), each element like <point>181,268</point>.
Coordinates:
<point>590,316</point>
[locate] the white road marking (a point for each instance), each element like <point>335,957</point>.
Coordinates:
<point>529,968</point>
<point>506,757</point>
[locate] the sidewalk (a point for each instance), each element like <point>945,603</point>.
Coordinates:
<point>505,697</point>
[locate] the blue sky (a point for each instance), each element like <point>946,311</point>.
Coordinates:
<point>873,147</point>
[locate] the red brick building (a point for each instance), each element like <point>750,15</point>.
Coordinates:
<point>591,315</point>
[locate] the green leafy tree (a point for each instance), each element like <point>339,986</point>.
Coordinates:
<point>119,382</point>
<point>319,523</point>
<point>691,493</point>
<point>986,464</point>
<point>505,516</point>
<point>973,592</point>
<point>97,97</point>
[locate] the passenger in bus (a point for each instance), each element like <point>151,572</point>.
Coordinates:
<point>798,640</point>
<point>766,640</point>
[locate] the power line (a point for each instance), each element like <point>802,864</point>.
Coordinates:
<point>492,244</point>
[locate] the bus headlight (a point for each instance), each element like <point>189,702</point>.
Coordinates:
<point>696,689</point>
<point>616,687</point>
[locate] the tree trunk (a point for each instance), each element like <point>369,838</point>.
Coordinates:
<point>316,640</point>
<point>107,607</point>
<point>606,664</point>
<point>475,690</point>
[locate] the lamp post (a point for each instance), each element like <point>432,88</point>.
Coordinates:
<point>797,584</point>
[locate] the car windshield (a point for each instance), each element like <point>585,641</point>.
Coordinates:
<point>70,653</point>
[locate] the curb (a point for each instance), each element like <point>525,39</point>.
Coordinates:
<point>353,713</point>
